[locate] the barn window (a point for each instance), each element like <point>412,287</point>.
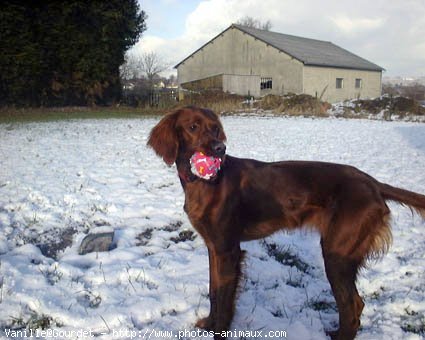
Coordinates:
<point>339,83</point>
<point>358,83</point>
<point>266,83</point>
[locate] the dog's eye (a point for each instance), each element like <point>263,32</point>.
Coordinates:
<point>193,127</point>
<point>215,130</point>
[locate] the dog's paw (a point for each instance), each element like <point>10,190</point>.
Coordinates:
<point>340,335</point>
<point>205,323</point>
<point>333,335</point>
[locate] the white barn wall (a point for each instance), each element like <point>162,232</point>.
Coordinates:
<point>317,78</point>
<point>241,84</point>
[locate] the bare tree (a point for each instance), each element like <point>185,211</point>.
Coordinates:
<point>151,64</point>
<point>124,71</point>
<point>147,65</point>
<point>171,80</point>
<point>128,70</point>
<point>255,23</point>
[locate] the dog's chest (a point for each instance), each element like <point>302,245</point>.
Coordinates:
<point>204,206</point>
<point>197,204</point>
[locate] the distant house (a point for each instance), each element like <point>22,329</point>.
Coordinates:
<point>249,61</point>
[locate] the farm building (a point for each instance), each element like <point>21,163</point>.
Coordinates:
<point>249,61</point>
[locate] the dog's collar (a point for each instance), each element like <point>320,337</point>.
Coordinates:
<point>186,177</point>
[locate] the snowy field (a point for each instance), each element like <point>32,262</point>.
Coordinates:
<point>60,180</point>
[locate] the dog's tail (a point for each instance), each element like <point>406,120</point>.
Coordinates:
<point>405,197</point>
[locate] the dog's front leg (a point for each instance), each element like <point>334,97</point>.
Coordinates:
<point>208,322</point>
<point>225,271</point>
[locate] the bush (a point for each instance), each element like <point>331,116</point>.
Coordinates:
<point>215,100</point>
<point>294,104</point>
<point>395,105</point>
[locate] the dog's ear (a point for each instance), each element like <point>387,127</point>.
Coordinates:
<point>164,139</point>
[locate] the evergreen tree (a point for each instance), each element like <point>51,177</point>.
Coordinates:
<point>65,53</point>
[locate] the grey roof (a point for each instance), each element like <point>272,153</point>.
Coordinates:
<point>309,51</point>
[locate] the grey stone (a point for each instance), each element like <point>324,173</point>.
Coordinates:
<point>96,243</point>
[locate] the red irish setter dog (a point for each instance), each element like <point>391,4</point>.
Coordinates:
<point>249,199</point>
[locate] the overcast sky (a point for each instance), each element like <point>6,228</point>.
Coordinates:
<point>390,33</point>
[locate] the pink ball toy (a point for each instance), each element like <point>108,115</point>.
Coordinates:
<point>204,166</point>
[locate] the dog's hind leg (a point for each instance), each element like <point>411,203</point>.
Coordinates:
<point>341,273</point>
<point>358,231</point>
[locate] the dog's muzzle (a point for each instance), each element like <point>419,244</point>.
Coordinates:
<point>218,148</point>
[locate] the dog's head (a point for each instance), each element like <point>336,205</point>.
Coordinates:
<point>186,131</point>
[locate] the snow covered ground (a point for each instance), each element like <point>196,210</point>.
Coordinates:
<point>59,180</point>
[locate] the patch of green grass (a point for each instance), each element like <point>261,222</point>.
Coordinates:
<point>144,237</point>
<point>323,305</point>
<point>173,226</point>
<point>413,322</point>
<point>185,235</point>
<point>285,256</point>
<point>52,275</point>
<point>277,314</point>
<point>89,299</point>
<point>35,321</point>
<point>14,115</point>
<point>418,328</point>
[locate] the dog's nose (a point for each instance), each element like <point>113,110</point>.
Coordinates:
<point>219,148</point>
